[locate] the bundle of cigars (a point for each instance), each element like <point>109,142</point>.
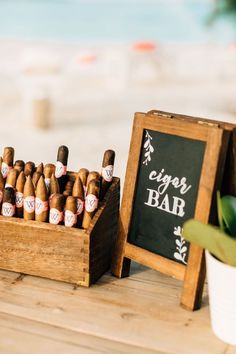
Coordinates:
<point>45,193</point>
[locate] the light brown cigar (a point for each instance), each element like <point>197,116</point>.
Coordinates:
<point>20,183</point>
<point>29,199</point>
<point>2,183</point>
<point>83,174</point>
<point>41,201</point>
<point>48,170</point>
<point>11,178</point>
<point>29,168</point>
<point>78,192</point>
<point>0,162</point>
<point>56,214</point>
<point>40,168</point>
<point>61,166</point>
<point>68,188</point>
<point>7,161</point>
<point>35,178</point>
<point>19,165</point>
<point>107,171</point>
<point>8,202</point>
<point>54,186</point>
<point>91,202</point>
<point>70,217</point>
<point>92,175</point>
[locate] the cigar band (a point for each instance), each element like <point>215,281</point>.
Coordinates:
<point>91,203</point>
<point>8,209</point>
<point>55,216</point>
<point>60,169</point>
<point>9,185</point>
<point>1,195</point>
<point>19,199</point>
<point>40,206</point>
<point>29,204</point>
<point>70,218</point>
<point>47,182</point>
<point>80,206</point>
<point>5,169</point>
<point>107,173</point>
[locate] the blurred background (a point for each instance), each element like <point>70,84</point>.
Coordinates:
<point>74,72</point>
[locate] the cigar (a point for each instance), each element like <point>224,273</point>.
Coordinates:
<point>54,185</point>
<point>20,183</point>
<point>92,175</point>
<point>40,168</point>
<point>70,217</point>
<point>0,163</point>
<point>29,199</point>
<point>8,202</point>
<point>19,165</point>
<point>91,202</point>
<point>83,174</point>
<point>61,166</point>
<point>56,214</point>
<point>78,193</point>
<point>48,170</point>
<point>7,161</point>
<point>107,171</point>
<point>35,178</point>
<point>29,168</point>
<point>68,188</point>
<point>11,179</point>
<point>41,201</point>
<point>2,183</point>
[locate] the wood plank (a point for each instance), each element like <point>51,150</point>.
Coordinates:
<point>141,310</point>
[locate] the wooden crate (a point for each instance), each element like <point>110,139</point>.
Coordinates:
<point>57,252</point>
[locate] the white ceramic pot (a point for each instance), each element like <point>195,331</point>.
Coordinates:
<point>222,298</point>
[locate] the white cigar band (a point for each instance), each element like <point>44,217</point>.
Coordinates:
<point>8,185</point>
<point>47,182</point>
<point>107,173</point>
<point>40,206</point>
<point>19,199</point>
<point>29,204</point>
<point>5,169</point>
<point>70,218</point>
<point>60,169</point>
<point>91,203</point>
<point>55,216</point>
<point>80,206</point>
<point>8,209</point>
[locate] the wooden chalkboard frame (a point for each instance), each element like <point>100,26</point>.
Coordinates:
<point>216,138</point>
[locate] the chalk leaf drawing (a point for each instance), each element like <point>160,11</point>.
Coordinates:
<point>148,148</point>
<point>181,249</point>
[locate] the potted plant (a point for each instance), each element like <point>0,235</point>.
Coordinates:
<point>220,245</point>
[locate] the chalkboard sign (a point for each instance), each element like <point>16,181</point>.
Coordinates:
<point>173,169</point>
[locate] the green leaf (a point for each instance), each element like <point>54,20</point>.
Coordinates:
<point>213,239</point>
<point>228,209</point>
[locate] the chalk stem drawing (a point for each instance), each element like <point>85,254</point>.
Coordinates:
<point>181,249</point>
<point>148,148</point>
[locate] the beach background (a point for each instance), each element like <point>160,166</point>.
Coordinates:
<point>74,72</point>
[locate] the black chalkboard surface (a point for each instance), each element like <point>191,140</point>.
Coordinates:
<point>166,192</point>
<point>174,168</point>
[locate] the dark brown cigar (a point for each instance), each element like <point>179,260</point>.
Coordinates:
<point>20,183</point>
<point>68,188</point>
<point>107,171</point>
<point>54,185</point>
<point>19,165</point>
<point>70,217</point>
<point>49,169</point>
<point>78,192</point>
<point>93,175</point>
<point>41,201</point>
<point>29,199</point>
<point>56,214</point>
<point>35,178</point>
<point>7,161</point>
<point>8,202</point>
<point>61,166</point>
<point>83,174</point>
<point>40,168</point>
<point>2,183</point>
<point>91,202</point>
<point>29,168</point>
<point>11,179</point>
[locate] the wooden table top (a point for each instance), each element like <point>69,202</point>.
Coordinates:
<point>139,314</point>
